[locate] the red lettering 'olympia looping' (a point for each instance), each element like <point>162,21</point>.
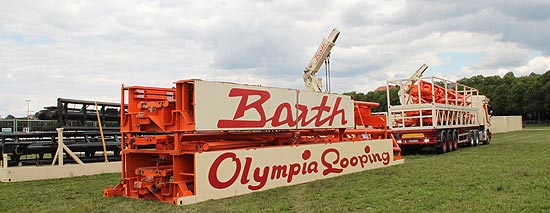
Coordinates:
<point>257,177</point>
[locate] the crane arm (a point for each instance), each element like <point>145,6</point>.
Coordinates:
<point>417,75</point>
<point>311,82</point>
<point>404,90</point>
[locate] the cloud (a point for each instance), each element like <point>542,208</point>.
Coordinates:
<point>537,63</point>
<point>521,22</point>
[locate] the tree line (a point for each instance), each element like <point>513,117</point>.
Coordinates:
<point>528,96</point>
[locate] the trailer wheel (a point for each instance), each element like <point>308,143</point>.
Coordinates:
<point>476,138</point>
<point>455,140</point>
<point>450,141</point>
<point>471,136</point>
<point>441,146</point>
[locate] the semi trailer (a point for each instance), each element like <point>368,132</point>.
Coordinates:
<point>435,112</point>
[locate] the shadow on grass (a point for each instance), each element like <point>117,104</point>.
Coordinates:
<point>431,150</point>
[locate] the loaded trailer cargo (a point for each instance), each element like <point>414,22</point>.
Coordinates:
<point>434,112</point>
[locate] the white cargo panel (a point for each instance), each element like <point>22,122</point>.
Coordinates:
<point>227,173</point>
<point>229,106</point>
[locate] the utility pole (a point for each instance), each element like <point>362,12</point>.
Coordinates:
<point>28,114</point>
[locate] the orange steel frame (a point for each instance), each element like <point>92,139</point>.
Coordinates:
<point>159,140</point>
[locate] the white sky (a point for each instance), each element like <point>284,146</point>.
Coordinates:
<point>88,49</point>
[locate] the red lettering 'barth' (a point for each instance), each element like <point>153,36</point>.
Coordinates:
<point>284,114</point>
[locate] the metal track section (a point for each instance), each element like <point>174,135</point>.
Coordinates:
<point>81,134</point>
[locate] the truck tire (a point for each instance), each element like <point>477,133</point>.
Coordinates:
<point>476,138</point>
<point>441,146</point>
<point>449,141</point>
<point>455,140</point>
<point>471,140</point>
<point>487,138</point>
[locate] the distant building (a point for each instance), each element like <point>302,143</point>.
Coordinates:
<point>383,88</point>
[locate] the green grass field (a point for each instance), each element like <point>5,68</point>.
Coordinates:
<point>509,175</point>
